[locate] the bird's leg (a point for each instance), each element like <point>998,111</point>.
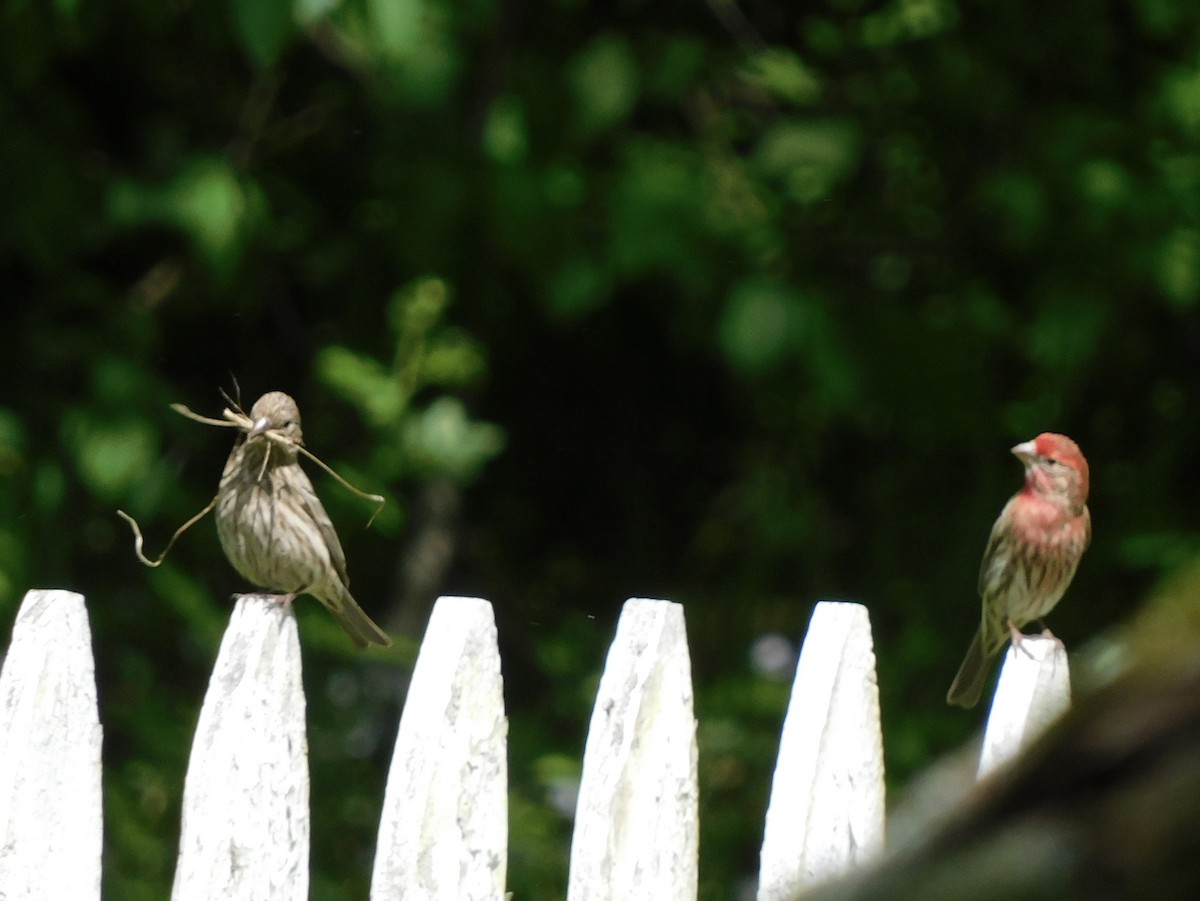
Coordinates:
<point>1018,638</point>
<point>1046,633</point>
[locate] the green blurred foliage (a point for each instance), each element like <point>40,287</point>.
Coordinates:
<point>736,305</point>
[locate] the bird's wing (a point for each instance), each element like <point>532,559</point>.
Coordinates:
<point>993,564</point>
<point>313,506</point>
<point>996,573</point>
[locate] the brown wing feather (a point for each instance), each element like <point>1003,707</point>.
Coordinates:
<point>995,578</point>
<point>313,506</point>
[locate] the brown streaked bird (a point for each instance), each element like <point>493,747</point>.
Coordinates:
<point>1031,556</point>
<point>272,526</point>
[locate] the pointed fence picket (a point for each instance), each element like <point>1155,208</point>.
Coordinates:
<point>245,798</point>
<point>50,821</point>
<point>1034,690</point>
<point>636,824</point>
<point>443,829</point>
<point>827,800</point>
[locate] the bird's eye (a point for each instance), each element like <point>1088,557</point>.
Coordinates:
<point>1051,461</point>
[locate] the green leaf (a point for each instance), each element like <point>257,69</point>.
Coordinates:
<point>396,26</point>
<point>210,203</point>
<point>1178,267</point>
<point>416,308</point>
<point>658,206</point>
<point>309,12</point>
<point>363,381</point>
<point>208,200</point>
<point>604,79</point>
<point>264,27</point>
<point>444,440</point>
<point>452,359</point>
<point>110,456</point>
<point>783,74</point>
<point>1181,95</point>
<point>809,156</point>
<point>758,325</point>
<point>505,133</point>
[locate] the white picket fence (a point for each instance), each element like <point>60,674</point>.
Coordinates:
<point>444,826</point>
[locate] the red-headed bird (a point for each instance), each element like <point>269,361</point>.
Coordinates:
<point>1031,555</point>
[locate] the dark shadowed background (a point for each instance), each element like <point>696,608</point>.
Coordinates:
<point>740,306</point>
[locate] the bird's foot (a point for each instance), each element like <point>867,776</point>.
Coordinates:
<point>1018,639</point>
<point>1046,633</point>
<point>280,599</point>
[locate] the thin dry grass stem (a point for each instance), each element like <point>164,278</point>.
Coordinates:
<point>237,390</point>
<point>184,411</point>
<point>137,534</point>
<point>377,498</point>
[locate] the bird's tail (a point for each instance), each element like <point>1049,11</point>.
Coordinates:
<point>972,675</point>
<point>360,627</point>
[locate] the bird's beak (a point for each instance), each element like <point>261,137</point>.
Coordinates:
<point>259,427</point>
<point>1025,452</point>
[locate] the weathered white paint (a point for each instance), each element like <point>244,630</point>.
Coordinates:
<point>50,807</point>
<point>1034,690</point>
<point>636,824</point>
<point>444,828</point>
<point>826,813</point>
<point>245,800</point>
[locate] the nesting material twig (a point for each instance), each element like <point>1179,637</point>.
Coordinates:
<point>137,534</point>
<point>237,418</point>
